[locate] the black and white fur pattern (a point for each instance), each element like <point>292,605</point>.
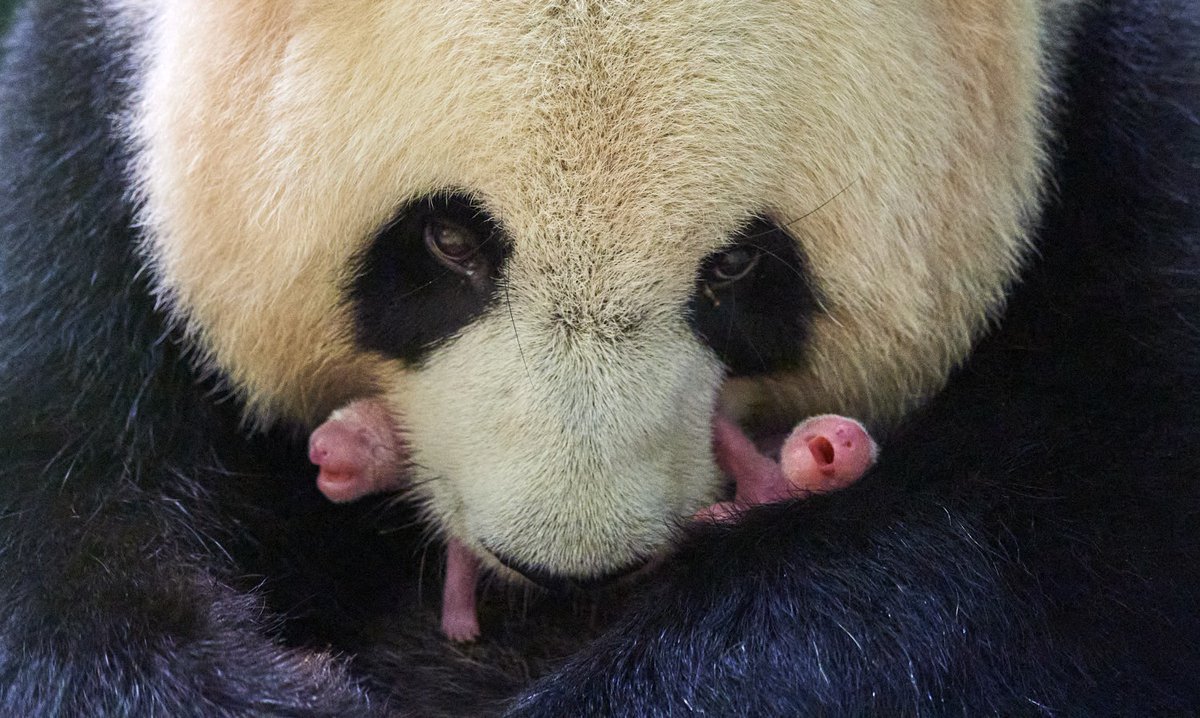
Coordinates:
<point>201,209</point>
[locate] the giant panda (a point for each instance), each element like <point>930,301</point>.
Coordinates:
<point>556,238</point>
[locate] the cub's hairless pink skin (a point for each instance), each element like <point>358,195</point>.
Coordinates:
<point>359,452</point>
<point>822,454</point>
<point>460,620</point>
<point>826,453</point>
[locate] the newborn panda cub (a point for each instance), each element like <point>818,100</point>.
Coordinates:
<point>360,451</point>
<point>822,454</point>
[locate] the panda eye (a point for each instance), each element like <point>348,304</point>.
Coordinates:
<point>732,264</point>
<point>454,245</point>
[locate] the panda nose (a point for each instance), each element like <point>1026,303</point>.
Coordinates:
<point>559,583</point>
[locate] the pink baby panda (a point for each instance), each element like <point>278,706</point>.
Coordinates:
<point>360,451</point>
<point>822,454</point>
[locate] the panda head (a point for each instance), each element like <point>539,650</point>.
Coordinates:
<point>555,236</point>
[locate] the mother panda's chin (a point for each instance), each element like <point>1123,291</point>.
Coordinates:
<point>579,518</point>
<point>578,474</point>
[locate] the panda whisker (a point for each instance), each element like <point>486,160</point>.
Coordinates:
<point>785,225</point>
<point>494,237</point>
<point>791,267</point>
<point>516,335</point>
<point>422,287</point>
<point>421,573</point>
<point>425,542</point>
<point>804,278</point>
<point>825,310</point>
<point>816,209</point>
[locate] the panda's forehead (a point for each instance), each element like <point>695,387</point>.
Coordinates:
<point>590,127</point>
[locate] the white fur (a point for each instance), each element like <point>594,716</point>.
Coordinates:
<point>619,143</point>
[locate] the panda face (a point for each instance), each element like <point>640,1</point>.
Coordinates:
<point>586,390</point>
<point>547,232</point>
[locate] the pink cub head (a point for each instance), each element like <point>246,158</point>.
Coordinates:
<point>827,453</point>
<point>359,451</point>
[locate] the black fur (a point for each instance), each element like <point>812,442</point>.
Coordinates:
<point>758,323</point>
<point>1027,545</point>
<point>405,301</point>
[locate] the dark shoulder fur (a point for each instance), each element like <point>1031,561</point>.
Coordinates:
<point>1028,543</point>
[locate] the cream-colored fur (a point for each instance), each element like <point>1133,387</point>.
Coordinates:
<point>619,143</point>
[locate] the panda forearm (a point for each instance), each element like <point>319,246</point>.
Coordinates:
<point>802,609</point>
<point>110,609</point>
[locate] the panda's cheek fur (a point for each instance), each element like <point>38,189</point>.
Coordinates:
<point>573,454</point>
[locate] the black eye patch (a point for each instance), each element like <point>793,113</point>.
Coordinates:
<point>753,301</point>
<point>404,295</point>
